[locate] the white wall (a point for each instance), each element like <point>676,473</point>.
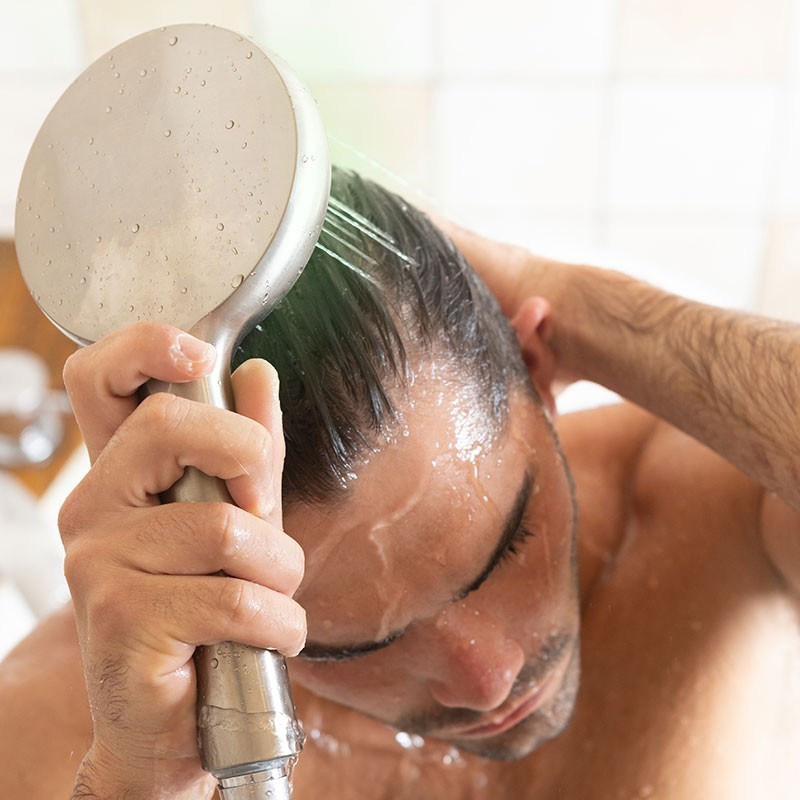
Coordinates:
<point>664,130</point>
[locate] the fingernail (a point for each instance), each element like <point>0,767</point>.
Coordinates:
<point>194,351</point>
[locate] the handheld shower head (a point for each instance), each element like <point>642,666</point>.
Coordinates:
<point>183,178</point>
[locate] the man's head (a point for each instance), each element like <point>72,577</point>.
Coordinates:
<point>425,483</point>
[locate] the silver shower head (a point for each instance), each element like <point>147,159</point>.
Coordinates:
<point>183,178</point>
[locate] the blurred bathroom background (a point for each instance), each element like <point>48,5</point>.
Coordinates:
<point>658,136</point>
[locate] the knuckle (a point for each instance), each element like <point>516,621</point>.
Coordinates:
<point>107,608</point>
<point>239,600</point>
<point>76,561</point>
<point>258,444</point>
<point>70,517</point>
<point>161,411</point>
<point>229,535</point>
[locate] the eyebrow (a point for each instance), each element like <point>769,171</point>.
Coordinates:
<point>322,652</point>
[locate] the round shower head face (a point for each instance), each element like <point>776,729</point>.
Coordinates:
<point>162,178</point>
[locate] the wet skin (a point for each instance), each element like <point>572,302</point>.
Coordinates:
<point>443,601</point>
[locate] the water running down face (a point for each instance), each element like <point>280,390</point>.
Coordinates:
<point>441,591</point>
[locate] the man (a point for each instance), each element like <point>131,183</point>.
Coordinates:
<point>445,589</point>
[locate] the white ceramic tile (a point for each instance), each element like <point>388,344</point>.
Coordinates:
<point>31,97</point>
<point>780,292</point>
<point>534,38</point>
<point>500,147</point>
<point>787,193</point>
<point>567,237</point>
<point>376,129</point>
<point>107,24</point>
<point>350,39</point>
<point>705,38</point>
<point>716,259</point>
<point>40,37</point>
<point>794,43</point>
<point>677,147</point>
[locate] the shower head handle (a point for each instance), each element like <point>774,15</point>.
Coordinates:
<point>183,178</point>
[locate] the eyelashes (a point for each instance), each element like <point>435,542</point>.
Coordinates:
<point>515,543</point>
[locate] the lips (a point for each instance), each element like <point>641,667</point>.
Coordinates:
<point>509,717</point>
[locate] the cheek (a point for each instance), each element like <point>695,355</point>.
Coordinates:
<point>370,684</point>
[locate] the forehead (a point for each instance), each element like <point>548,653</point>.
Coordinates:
<point>421,518</point>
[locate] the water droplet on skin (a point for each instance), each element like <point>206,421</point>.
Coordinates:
<point>135,228</point>
<point>229,124</point>
<point>168,133</point>
<point>237,281</point>
<point>173,41</point>
<point>220,227</point>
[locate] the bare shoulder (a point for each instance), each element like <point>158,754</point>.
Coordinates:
<point>44,716</point>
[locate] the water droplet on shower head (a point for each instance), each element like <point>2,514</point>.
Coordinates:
<point>143,73</point>
<point>220,227</point>
<point>91,140</point>
<point>237,281</point>
<point>184,290</point>
<point>173,41</point>
<point>168,133</point>
<point>177,90</point>
<point>108,109</point>
<point>229,124</point>
<point>135,227</point>
<point>249,54</point>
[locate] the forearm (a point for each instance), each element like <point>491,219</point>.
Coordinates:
<point>728,379</point>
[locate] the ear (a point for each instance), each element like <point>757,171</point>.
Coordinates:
<point>531,323</point>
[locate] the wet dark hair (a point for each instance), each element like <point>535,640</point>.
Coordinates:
<point>345,341</point>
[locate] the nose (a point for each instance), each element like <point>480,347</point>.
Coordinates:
<point>473,664</point>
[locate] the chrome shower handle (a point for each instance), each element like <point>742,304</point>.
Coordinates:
<point>245,711</point>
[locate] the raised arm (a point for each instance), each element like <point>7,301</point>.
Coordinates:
<point>730,380</point>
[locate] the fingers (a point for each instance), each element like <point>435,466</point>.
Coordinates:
<point>255,388</point>
<point>164,435</point>
<point>193,539</point>
<point>164,617</point>
<point>102,379</point>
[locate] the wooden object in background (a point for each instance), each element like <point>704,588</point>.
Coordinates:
<point>23,325</point>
